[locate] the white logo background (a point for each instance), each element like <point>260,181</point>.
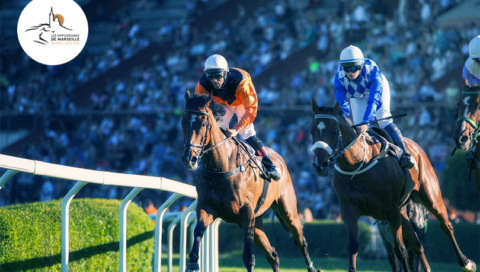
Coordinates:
<point>53,52</point>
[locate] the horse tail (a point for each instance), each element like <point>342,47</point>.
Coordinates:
<point>284,224</point>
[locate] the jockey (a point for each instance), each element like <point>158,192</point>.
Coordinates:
<point>233,90</point>
<point>471,69</point>
<point>360,80</point>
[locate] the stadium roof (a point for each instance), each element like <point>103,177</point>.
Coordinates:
<point>467,12</point>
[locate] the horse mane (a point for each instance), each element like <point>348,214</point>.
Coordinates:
<point>201,100</point>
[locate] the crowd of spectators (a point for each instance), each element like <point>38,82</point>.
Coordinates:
<point>139,128</point>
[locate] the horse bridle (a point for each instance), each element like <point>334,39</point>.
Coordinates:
<point>337,150</point>
<point>204,138</point>
<point>476,126</point>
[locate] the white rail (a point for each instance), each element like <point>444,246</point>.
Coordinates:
<point>84,176</point>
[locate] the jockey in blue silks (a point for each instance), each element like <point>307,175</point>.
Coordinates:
<point>364,92</point>
<point>471,69</point>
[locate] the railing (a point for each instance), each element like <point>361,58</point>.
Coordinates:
<point>209,262</point>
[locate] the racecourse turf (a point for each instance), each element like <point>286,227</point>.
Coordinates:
<point>233,263</point>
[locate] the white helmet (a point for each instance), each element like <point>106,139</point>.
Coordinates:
<point>474,47</point>
<point>216,63</point>
<point>351,56</point>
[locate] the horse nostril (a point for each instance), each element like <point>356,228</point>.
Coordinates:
<point>194,160</point>
<point>463,139</point>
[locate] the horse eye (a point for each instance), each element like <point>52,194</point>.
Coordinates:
<point>204,124</point>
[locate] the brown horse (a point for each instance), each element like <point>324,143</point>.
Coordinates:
<point>369,187</point>
<point>468,126</point>
<point>229,186</point>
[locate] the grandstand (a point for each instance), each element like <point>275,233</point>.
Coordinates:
<point>107,109</point>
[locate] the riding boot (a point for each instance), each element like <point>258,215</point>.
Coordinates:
<point>406,160</point>
<point>267,162</point>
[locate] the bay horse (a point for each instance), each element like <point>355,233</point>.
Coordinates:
<point>468,127</point>
<point>367,186</point>
<point>229,186</point>
<point>417,214</point>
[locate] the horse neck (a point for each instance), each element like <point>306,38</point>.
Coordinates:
<point>217,159</point>
<point>355,153</point>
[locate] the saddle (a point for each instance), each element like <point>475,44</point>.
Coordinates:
<point>379,135</point>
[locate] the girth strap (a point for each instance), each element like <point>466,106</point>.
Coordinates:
<point>213,174</point>
<point>261,200</point>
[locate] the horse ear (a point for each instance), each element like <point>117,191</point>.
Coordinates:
<point>336,108</point>
<point>187,95</point>
<point>315,106</point>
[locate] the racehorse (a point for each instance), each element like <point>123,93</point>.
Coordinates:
<point>375,187</point>
<point>229,185</point>
<point>417,214</point>
<point>468,127</point>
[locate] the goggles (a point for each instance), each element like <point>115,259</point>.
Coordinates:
<point>216,75</point>
<point>477,60</point>
<point>352,69</point>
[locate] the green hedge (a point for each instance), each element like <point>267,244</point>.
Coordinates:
<point>455,184</point>
<point>30,236</point>
<point>439,249</point>
<point>325,237</point>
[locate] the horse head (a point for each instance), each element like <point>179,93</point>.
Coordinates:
<point>196,124</point>
<point>468,118</point>
<point>326,136</point>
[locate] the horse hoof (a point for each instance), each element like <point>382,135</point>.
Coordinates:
<point>192,267</point>
<point>470,267</point>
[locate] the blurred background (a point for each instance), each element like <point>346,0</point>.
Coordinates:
<point>117,106</point>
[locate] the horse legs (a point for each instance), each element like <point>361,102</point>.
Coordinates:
<point>350,220</point>
<point>395,221</point>
<point>248,226</point>
<point>414,243</point>
<point>438,209</point>
<point>203,221</point>
<point>289,215</point>
<point>262,242</point>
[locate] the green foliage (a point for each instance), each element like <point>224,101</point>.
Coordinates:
<point>455,186</point>
<point>30,236</point>
<point>324,238</point>
<point>439,249</point>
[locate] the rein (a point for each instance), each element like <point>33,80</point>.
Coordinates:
<point>203,151</point>
<point>476,126</point>
<point>204,141</point>
<point>336,152</point>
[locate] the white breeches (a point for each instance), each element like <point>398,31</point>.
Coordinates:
<point>239,111</point>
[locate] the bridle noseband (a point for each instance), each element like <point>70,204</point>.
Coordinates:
<point>204,138</point>
<point>335,151</point>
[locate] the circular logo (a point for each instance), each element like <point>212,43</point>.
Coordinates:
<point>52,32</point>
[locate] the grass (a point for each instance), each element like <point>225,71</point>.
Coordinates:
<point>233,263</point>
